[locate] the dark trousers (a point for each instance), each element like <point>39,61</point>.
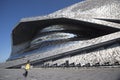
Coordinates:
<point>26,73</point>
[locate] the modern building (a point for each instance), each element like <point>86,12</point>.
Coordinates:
<point>83,35</point>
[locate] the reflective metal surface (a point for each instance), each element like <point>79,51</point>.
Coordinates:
<point>84,29</point>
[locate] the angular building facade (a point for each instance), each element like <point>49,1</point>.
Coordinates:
<point>84,34</point>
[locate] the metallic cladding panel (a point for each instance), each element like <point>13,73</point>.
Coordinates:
<point>98,15</point>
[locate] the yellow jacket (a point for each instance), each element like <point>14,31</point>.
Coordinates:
<point>27,66</point>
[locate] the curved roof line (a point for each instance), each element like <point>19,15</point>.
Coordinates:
<point>25,31</point>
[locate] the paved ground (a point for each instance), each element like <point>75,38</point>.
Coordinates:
<point>62,74</point>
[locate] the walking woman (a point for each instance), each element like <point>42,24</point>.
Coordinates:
<point>27,67</point>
